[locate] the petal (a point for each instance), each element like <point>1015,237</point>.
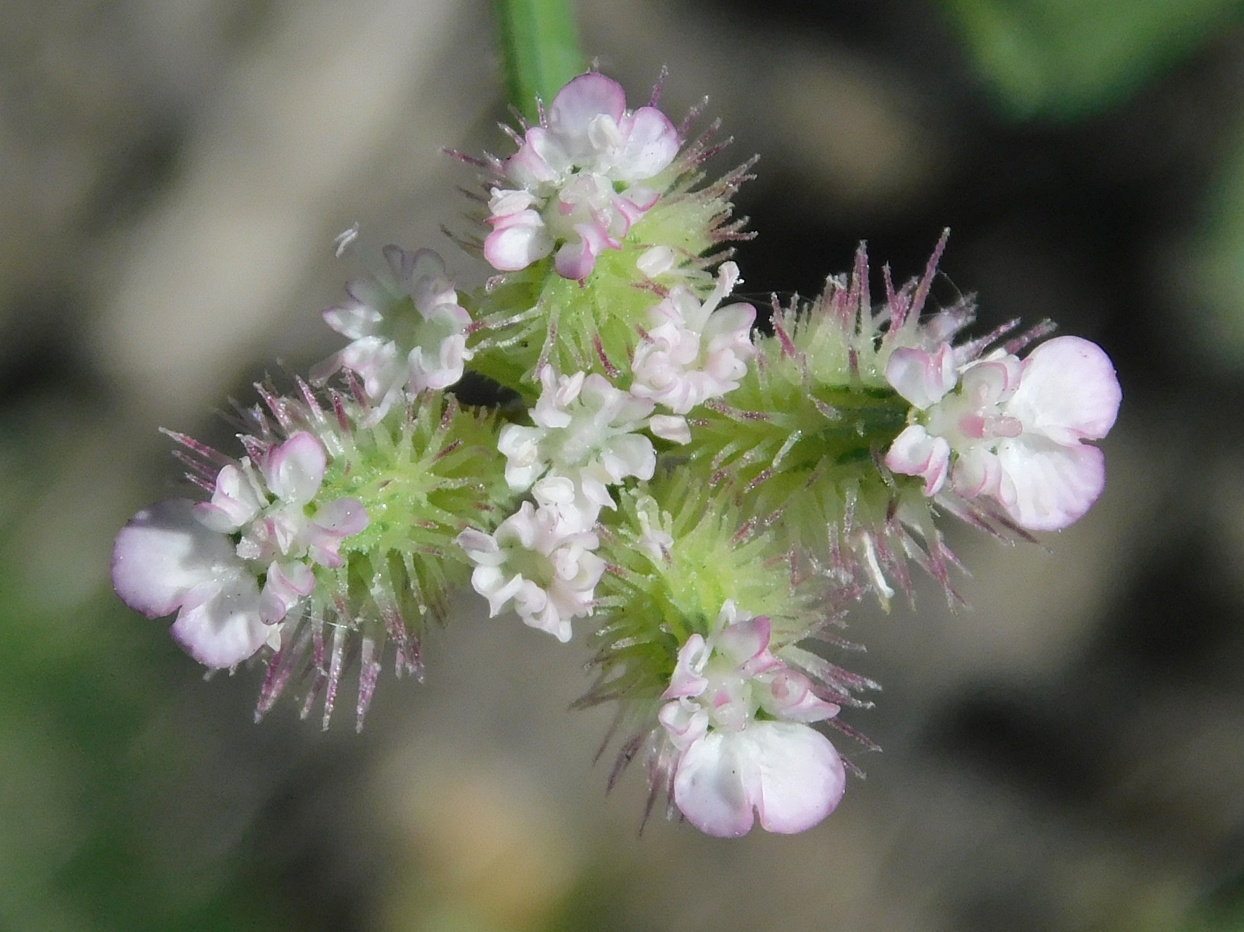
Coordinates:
<point>220,624</point>
<point>687,679</point>
<point>235,500</point>
<point>353,320</point>
<point>628,455</point>
<point>922,378</point>
<point>582,100</point>
<point>746,643</point>
<point>480,547</point>
<point>576,260</point>
<point>650,144</point>
<point>1069,391</point>
<point>791,699</point>
<point>685,722</point>
<point>991,381</point>
<point>295,469</point>
<point>1050,486</point>
<point>540,160</point>
<point>671,428</point>
<point>163,553</point>
<point>287,583</point>
<point>430,285</point>
<point>708,785</point>
<point>518,242</point>
<point>916,452</point>
<point>797,778</point>
<point>656,261</point>
<point>977,471</point>
<point>343,517</point>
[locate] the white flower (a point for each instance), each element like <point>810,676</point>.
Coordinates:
<point>535,564</point>
<point>586,431</point>
<point>408,331</point>
<point>577,179</point>
<point>694,350</point>
<point>734,765</point>
<point>165,560</point>
<point>1009,429</point>
<point>205,560</point>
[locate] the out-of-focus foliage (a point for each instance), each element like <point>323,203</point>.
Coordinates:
<point>1066,59</point>
<point>1214,275</point>
<point>91,837</point>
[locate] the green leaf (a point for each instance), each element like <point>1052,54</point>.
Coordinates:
<point>1067,59</point>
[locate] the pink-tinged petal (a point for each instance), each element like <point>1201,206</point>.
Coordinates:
<point>1050,486</point>
<point>234,503</point>
<point>509,202</point>
<point>631,207</point>
<point>163,553</point>
<point>1069,391</point>
<point>916,452</point>
<point>582,100</point>
<point>295,468</point>
<point>332,524</point>
<point>286,585</point>
<point>577,260</point>
<point>977,471</point>
<point>796,776</point>
<point>343,517</point>
<point>709,785</point>
<point>517,242</point>
<point>540,160</point>
<point>922,378</point>
<point>401,262</point>
<point>746,643</point>
<point>687,680</point>
<point>651,143</point>
<point>991,381</point>
<point>684,722</point>
<point>220,624</point>
<point>791,699</point>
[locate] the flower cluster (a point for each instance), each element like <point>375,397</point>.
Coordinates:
<point>740,718</point>
<point>408,330</point>
<point>580,180</point>
<point>1015,428</point>
<point>707,499</point>
<point>234,567</point>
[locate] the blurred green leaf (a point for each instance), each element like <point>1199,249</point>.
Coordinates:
<point>90,770</point>
<point>1070,58</point>
<point>1214,272</point>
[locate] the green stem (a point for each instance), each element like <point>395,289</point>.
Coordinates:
<point>540,49</point>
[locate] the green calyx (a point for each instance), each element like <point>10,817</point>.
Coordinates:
<point>424,473</point>
<point>677,550</point>
<point>535,316</point>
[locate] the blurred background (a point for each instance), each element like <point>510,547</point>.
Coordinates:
<point>1067,755</point>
